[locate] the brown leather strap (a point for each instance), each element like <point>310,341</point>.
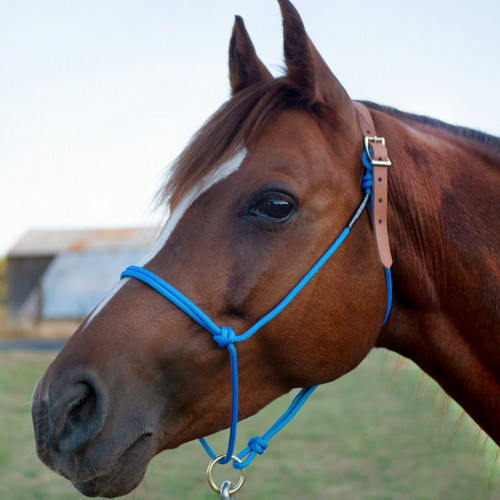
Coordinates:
<point>375,148</point>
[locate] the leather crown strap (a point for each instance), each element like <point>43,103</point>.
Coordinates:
<point>377,152</point>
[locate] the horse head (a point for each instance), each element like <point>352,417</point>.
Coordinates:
<point>256,197</point>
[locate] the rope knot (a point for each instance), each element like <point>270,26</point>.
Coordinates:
<point>367,179</point>
<point>367,183</point>
<point>257,444</point>
<point>224,337</point>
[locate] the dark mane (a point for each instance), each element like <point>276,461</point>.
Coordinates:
<point>226,130</point>
<point>489,142</point>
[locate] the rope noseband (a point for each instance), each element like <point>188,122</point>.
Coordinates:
<point>225,337</point>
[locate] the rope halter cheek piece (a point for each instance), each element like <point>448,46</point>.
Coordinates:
<point>225,337</point>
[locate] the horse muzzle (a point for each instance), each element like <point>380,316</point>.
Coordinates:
<point>70,418</point>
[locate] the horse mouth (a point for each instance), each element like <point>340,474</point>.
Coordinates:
<point>123,474</point>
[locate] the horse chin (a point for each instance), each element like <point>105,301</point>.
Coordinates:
<point>110,485</point>
<point>120,476</point>
<point>107,487</point>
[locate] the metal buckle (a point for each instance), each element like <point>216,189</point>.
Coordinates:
<point>380,140</point>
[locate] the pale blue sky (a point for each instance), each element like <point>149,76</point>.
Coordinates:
<point>97,97</point>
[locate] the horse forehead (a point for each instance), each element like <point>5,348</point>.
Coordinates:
<point>290,153</point>
<point>292,133</point>
<point>201,187</point>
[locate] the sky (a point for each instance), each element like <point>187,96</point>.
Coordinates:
<point>97,98</point>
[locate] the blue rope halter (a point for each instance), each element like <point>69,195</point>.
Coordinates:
<point>226,337</point>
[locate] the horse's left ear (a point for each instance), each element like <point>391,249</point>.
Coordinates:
<point>245,68</point>
<point>307,71</point>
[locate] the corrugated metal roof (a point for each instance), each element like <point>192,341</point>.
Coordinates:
<point>38,243</point>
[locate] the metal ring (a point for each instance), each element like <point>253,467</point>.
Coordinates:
<point>211,481</point>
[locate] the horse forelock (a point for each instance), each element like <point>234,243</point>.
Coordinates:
<point>224,133</point>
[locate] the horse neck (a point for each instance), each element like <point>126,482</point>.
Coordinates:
<point>445,236</point>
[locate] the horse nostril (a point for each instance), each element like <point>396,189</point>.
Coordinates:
<point>76,415</point>
<point>82,408</point>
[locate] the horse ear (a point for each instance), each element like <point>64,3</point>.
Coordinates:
<point>245,68</point>
<point>307,71</point>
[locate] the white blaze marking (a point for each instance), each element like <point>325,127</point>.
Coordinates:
<point>225,170</point>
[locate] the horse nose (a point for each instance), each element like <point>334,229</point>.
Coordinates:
<point>69,414</point>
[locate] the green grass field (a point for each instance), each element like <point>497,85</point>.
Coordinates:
<point>382,432</point>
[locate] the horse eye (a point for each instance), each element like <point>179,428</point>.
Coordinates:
<point>273,207</point>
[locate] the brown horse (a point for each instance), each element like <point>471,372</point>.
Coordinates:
<point>257,196</point>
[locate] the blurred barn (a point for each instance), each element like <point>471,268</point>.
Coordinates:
<point>64,274</point>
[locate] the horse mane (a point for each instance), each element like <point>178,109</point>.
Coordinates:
<point>489,142</point>
<point>232,125</point>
